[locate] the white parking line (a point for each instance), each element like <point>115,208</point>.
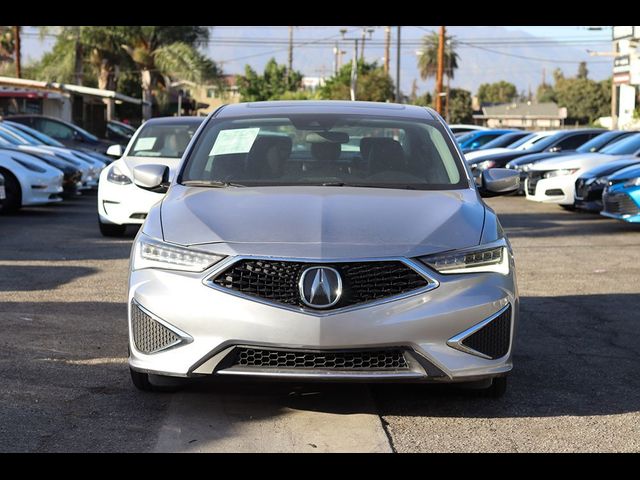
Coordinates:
<point>265,418</point>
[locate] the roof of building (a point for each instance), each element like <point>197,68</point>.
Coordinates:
<point>527,109</point>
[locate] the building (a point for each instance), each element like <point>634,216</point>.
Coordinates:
<point>208,97</point>
<point>89,108</point>
<point>527,115</point>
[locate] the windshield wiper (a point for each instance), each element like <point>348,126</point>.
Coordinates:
<point>210,183</point>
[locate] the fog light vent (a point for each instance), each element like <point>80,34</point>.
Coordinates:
<point>149,335</point>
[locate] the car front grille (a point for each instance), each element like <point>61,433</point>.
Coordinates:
<point>150,336</point>
<point>494,338</point>
<point>353,360</point>
<point>277,281</point>
<point>620,204</point>
<point>533,179</point>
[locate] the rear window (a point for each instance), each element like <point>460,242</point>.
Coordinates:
<point>325,150</point>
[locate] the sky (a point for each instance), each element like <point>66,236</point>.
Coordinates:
<point>521,54</point>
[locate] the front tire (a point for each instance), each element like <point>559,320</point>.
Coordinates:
<point>155,383</point>
<point>498,388</point>
<point>111,229</point>
<point>13,201</point>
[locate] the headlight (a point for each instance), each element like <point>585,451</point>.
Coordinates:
<point>150,253</point>
<point>601,181</point>
<point>561,172</point>
<point>483,259</point>
<point>634,182</point>
<point>485,165</point>
<point>116,176</point>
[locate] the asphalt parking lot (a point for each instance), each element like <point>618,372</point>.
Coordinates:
<point>65,383</point>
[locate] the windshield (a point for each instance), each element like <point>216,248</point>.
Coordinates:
<point>46,139</point>
<point>120,129</point>
<point>331,150</point>
<point>627,146</point>
<point>599,142</point>
<point>503,140</point>
<point>162,140</point>
<point>523,140</point>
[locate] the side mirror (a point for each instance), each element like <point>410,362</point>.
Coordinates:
<point>555,149</point>
<point>474,145</point>
<point>152,177</point>
<point>498,181</point>
<point>115,151</point>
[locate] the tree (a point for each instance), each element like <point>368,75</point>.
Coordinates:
<point>585,100</point>
<point>498,92</point>
<point>373,84</point>
<point>425,100</point>
<point>428,59</point>
<point>7,45</point>
<point>583,72</point>
<point>460,110</point>
<point>160,52</point>
<point>545,93</point>
<point>273,84</point>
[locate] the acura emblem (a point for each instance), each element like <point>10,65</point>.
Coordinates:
<point>320,287</point>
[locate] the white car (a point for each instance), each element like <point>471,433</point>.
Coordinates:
<point>523,144</point>
<point>553,180</point>
<point>28,181</point>
<point>157,141</point>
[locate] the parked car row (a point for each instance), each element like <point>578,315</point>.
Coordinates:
<point>588,169</point>
<point>38,169</point>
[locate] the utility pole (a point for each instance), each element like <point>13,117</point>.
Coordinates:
<point>78,58</point>
<point>18,53</point>
<point>290,63</point>
<point>336,52</point>
<point>398,100</point>
<point>446,114</point>
<point>365,30</point>
<point>354,71</point>
<point>440,71</point>
<point>387,48</point>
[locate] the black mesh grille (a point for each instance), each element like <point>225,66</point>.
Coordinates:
<point>361,281</point>
<point>149,336</point>
<point>321,360</point>
<point>533,179</point>
<point>620,204</point>
<point>493,339</point>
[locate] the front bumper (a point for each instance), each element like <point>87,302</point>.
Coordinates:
<point>43,192</point>
<point>622,203</point>
<point>213,323</point>
<point>124,204</point>
<point>560,190</point>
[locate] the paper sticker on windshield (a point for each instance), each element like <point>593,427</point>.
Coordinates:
<point>238,140</point>
<point>145,143</point>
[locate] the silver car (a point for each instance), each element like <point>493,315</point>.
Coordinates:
<point>322,241</point>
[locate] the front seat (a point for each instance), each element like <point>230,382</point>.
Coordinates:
<point>268,156</point>
<point>383,154</point>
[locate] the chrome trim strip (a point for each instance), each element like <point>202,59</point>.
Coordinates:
<point>320,375</point>
<point>418,267</point>
<point>456,341</point>
<point>183,337</point>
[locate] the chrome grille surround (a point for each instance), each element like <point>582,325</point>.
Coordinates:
<point>417,267</point>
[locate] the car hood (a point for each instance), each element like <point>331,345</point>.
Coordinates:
<point>322,222</point>
<point>581,161</point>
<point>537,157</point>
<point>132,162</point>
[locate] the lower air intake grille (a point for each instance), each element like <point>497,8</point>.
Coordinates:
<point>493,340</point>
<point>150,336</point>
<point>321,360</point>
<point>621,204</point>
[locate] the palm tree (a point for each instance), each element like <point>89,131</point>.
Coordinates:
<point>428,59</point>
<point>163,51</point>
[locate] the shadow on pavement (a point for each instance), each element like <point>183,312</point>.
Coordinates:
<point>22,278</point>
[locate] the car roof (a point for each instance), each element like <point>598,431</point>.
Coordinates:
<point>312,107</point>
<point>174,121</point>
